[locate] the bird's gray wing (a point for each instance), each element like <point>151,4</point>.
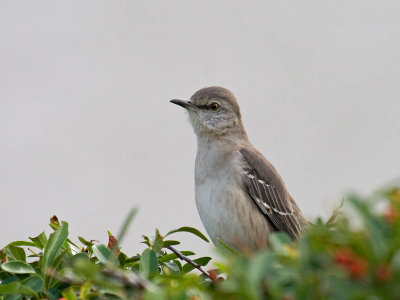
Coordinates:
<point>268,191</point>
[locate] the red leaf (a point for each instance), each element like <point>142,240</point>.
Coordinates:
<point>113,245</point>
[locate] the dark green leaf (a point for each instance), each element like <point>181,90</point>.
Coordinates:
<point>34,282</point>
<point>146,240</point>
<point>202,261</point>
<point>56,240</point>
<point>148,265</point>
<point>104,255</point>
<point>172,256</point>
<point>15,288</point>
<point>22,243</point>
<point>85,242</point>
<point>17,253</point>
<point>191,230</point>
<point>170,243</point>
<point>59,259</point>
<point>40,241</point>
<point>133,259</point>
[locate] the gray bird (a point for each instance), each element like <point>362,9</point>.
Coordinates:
<point>239,195</point>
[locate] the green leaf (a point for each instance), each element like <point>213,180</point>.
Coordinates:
<point>172,256</point>
<point>148,265</point>
<point>17,267</point>
<point>202,261</point>
<point>22,243</point>
<point>56,240</point>
<point>85,290</point>
<point>104,255</point>
<point>85,242</point>
<point>132,259</point>
<point>146,240</point>
<point>59,258</point>
<point>225,246</point>
<point>11,288</point>
<point>79,256</point>
<point>128,220</point>
<point>17,252</point>
<point>376,234</point>
<point>13,297</point>
<point>69,294</point>
<point>191,230</point>
<point>158,242</point>
<point>170,243</point>
<point>172,268</point>
<point>15,288</point>
<point>34,282</point>
<point>40,241</point>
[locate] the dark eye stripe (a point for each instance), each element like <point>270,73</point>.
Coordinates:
<point>203,106</point>
<point>206,106</point>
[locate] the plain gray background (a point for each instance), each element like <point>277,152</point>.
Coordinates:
<point>87,132</point>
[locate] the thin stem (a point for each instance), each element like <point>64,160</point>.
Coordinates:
<point>183,257</point>
<point>38,255</point>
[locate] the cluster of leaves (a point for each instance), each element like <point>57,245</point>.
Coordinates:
<point>60,268</point>
<point>332,260</point>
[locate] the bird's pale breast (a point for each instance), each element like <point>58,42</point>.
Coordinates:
<point>225,208</point>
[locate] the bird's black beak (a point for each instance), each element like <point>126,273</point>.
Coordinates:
<point>183,103</point>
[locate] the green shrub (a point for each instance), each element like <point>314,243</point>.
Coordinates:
<point>332,260</point>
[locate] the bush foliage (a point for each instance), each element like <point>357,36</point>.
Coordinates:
<point>332,260</point>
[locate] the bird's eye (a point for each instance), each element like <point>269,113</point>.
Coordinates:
<point>214,106</point>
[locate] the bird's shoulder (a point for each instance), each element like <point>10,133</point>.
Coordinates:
<point>255,161</point>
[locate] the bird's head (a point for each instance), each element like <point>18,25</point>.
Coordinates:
<point>214,111</point>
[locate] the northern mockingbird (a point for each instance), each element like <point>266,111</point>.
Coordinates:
<point>239,195</point>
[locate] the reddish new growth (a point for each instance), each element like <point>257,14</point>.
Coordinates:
<point>355,265</point>
<point>113,245</point>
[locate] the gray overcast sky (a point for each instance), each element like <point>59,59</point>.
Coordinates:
<point>86,129</point>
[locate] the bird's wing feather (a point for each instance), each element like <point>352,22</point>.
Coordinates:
<point>268,191</point>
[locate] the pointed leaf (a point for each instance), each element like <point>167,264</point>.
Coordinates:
<point>56,240</point>
<point>191,230</point>
<point>225,246</point>
<point>40,241</point>
<point>158,242</point>
<point>85,242</point>
<point>172,256</point>
<point>170,243</point>
<point>104,255</point>
<point>202,261</point>
<point>22,243</point>
<point>17,252</point>
<point>126,224</point>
